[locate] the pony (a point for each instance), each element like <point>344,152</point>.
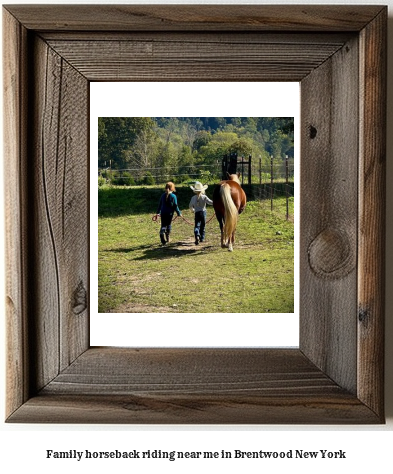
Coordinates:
<point>229,200</point>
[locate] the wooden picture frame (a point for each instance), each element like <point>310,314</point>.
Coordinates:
<point>338,54</point>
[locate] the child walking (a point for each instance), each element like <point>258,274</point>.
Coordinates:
<point>166,208</point>
<point>198,206</point>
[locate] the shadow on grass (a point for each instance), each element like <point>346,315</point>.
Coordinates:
<point>176,249</point>
<point>129,249</point>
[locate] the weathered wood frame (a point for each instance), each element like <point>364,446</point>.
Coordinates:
<point>338,53</point>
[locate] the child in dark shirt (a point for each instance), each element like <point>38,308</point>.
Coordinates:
<point>166,208</point>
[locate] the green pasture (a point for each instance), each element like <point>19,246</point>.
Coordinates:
<point>137,274</point>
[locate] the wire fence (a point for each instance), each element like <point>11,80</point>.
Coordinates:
<point>160,175</point>
<point>261,181</point>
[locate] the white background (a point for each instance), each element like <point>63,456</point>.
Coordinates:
<point>174,99</point>
<point>368,448</point>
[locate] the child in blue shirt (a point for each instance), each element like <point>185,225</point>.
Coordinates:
<point>198,206</point>
<point>166,208</point>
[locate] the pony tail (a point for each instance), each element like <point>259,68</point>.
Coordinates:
<point>231,213</point>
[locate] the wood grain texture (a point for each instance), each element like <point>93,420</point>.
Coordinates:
<point>59,218</point>
<point>194,385</point>
<point>372,192</point>
<point>61,183</point>
<point>52,374</point>
<point>127,409</point>
<point>328,249</point>
<point>217,59</point>
<point>195,17</point>
<point>14,77</point>
<point>201,37</point>
<point>186,371</point>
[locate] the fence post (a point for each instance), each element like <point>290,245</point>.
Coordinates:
<point>242,163</point>
<point>249,170</point>
<point>286,182</point>
<point>224,167</point>
<point>260,170</point>
<point>271,182</point>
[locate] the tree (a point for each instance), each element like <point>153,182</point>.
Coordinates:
<point>178,145</point>
<point>286,125</point>
<point>242,146</point>
<point>144,149</point>
<point>189,132</point>
<point>202,138</point>
<point>216,148</point>
<point>116,136</point>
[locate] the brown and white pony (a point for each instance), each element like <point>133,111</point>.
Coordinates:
<point>229,200</point>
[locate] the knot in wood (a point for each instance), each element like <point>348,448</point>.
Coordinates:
<point>331,254</point>
<point>313,132</point>
<point>364,316</point>
<point>80,299</point>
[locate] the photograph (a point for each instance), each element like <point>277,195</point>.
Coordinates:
<point>196,214</point>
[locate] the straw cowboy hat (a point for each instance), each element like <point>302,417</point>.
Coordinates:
<point>198,187</point>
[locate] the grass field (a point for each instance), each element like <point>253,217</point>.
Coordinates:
<point>138,275</point>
